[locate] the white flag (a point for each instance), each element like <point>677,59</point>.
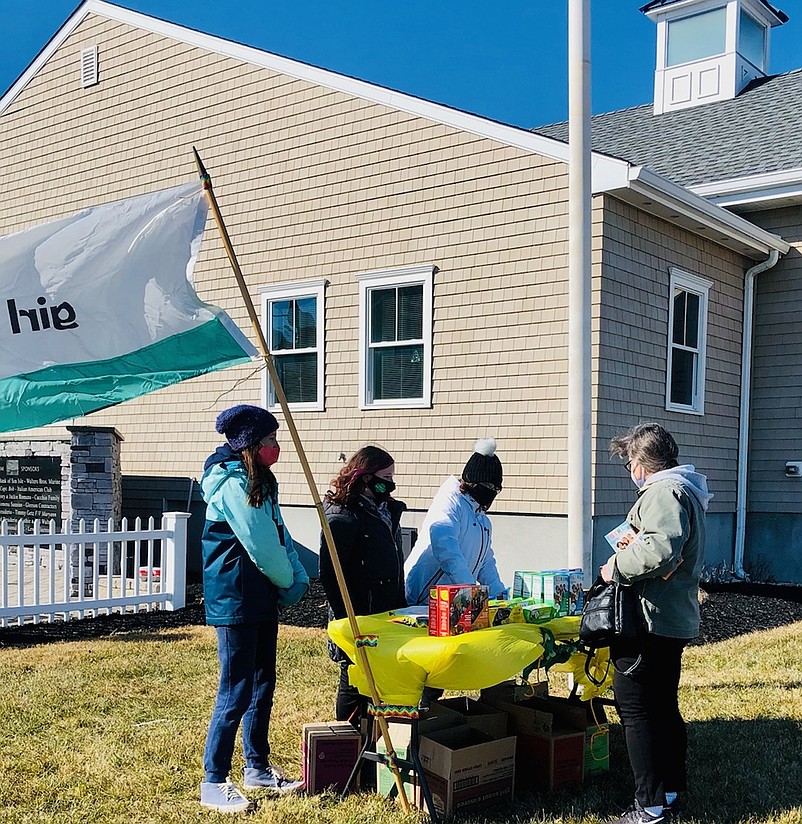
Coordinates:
<point>98,308</point>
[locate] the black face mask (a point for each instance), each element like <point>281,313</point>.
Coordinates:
<point>381,488</point>
<point>482,495</point>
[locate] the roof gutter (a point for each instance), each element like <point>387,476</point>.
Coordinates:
<point>651,193</point>
<point>707,215</point>
<point>745,403</point>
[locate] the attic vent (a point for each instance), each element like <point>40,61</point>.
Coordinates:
<point>89,66</point>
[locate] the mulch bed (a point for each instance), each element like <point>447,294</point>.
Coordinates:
<point>728,610</point>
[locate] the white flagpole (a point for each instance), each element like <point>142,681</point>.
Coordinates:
<point>579,288</point>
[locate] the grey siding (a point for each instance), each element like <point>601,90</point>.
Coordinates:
<point>776,422</point>
<point>632,304</point>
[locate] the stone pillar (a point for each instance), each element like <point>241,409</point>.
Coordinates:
<point>95,491</point>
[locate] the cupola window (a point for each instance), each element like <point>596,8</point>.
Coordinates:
<point>752,41</point>
<point>696,37</point>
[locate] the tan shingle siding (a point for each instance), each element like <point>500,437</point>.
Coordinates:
<point>314,183</point>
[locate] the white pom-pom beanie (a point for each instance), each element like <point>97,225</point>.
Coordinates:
<point>483,466</point>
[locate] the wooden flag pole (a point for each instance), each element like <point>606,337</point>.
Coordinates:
<point>324,524</point>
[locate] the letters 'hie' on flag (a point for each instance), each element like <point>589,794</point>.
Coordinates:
<point>98,308</point>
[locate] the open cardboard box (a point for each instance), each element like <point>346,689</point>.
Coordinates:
<point>482,717</point>
<point>552,738</point>
<point>439,716</point>
<point>465,769</point>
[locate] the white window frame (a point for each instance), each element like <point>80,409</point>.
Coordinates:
<point>699,286</point>
<point>286,291</point>
<point>406,276</point>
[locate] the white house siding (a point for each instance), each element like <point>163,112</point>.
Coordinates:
<point>633,302</point>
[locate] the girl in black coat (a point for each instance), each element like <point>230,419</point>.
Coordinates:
<point>365,523</point>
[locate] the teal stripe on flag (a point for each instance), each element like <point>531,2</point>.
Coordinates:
<point>57,393</point>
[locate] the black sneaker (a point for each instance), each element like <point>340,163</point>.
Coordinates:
<point>637,815</point>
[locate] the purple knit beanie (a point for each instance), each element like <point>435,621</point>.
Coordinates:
<point>245,425</point>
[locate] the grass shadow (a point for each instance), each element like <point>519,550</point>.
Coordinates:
<point>739,771</point>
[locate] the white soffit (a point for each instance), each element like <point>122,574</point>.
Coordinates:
<point>764,191</point>
<point>682,207</point>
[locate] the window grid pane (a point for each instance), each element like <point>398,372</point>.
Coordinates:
<point>397,372</point>
<point>383,315</point>
<point>680,300</point>
<point>410,313</point>
<point>692,321</point>
<point>298,376</point>
<point>683,369</point>
<point>281,317</point>
<point>752,40</point>
<point>305,323</point>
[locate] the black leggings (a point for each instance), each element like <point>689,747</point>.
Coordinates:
<point>350,705</point>
<point>646,682</point>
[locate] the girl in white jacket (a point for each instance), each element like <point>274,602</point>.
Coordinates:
<point>455,545</point>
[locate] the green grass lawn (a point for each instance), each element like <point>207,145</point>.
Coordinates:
<point>112,730</point>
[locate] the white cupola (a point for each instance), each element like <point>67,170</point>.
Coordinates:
<point>708,50</point>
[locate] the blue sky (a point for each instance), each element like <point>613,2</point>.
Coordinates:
<point>504,59</point>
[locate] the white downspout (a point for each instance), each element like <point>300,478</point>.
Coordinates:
<point>746,396</point>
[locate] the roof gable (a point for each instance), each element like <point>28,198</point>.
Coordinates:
<point>471,123</point>
<point>609,174</point>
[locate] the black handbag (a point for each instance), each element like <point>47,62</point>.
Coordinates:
<point>610,611</point>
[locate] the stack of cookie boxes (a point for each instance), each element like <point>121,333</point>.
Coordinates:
<point>560,587</point>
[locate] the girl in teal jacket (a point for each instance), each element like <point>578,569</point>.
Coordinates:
<point>250,570</point>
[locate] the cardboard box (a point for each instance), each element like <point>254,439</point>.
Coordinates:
<point>466,771</point>
<point>556,586</point>
<point>489,720</point>
<point>330,751</point>
<point>553,587</point>
<point>576,593</point>
<point>457,609</point>
<point>552,738</point>
<point>385,781</point>
<point>547,762</point>
<point>590,716</point>
<point>438,717</point>
<point>527,584</point>
<point>510,692</point>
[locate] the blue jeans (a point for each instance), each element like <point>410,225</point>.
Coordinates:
<point>247,654</point>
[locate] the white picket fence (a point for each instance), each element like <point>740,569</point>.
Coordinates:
<point>49,573</point>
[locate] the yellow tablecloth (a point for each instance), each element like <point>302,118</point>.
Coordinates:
<point>403,658</point>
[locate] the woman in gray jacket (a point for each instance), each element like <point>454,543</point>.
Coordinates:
<point>662,565</point>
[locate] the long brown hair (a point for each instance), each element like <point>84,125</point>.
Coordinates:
<point>262,482</point>
<point>350,483</point>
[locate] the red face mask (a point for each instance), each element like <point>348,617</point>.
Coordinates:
<point>268,455</point>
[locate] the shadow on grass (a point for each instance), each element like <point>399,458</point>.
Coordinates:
<point>739,771</point>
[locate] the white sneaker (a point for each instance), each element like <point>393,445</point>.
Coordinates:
<point>270,779</point>
<point>225,797</point>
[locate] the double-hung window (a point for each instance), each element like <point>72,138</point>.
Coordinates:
<point>687,324</point>
<point>395,338</point>
<point>293,318</point>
